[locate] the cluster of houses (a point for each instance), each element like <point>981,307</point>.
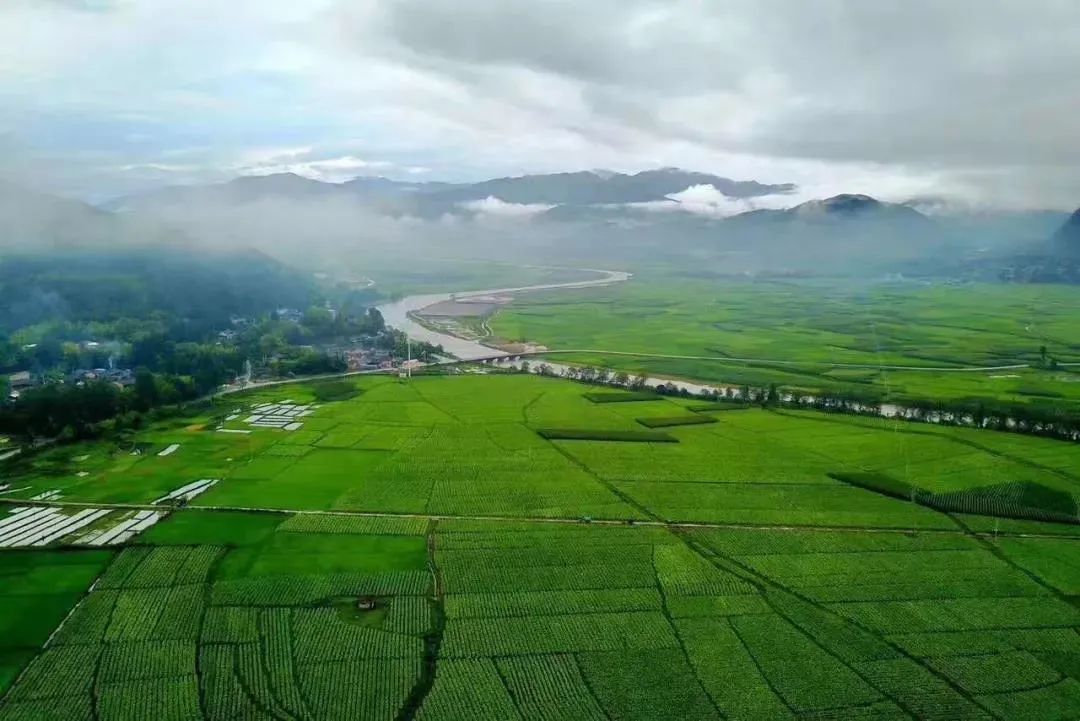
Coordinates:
<point>21,381</point>
<point>122,377</point>
<point>362,359</point>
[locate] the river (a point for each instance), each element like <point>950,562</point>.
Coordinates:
<point>397,313</point>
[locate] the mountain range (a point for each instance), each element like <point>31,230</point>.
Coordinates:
<point>649,216</point>
<point>431,199</point>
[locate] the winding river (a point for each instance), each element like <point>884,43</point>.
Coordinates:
<point>397,313</point>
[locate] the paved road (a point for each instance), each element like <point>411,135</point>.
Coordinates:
<point>774,361</point>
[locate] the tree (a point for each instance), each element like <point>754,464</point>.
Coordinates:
<point>146,389</point>
<point>1042,355</point>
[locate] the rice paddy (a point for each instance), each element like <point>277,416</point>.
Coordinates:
<point>504,547</point>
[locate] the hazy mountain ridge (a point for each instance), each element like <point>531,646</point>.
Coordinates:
<point>311,223</point>
<point>1066,240</point>
<point>577,188</point>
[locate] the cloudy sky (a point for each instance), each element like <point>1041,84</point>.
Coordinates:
<point>977,99</point>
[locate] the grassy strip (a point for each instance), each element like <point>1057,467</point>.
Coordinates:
<point>621,397</point>
<point>879,483</point>
<point>1017,500</point>
<point>665,421</point>
<point>593,434</point>
<point>719,406</point>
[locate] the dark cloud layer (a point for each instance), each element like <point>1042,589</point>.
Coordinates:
<point>974,97</point>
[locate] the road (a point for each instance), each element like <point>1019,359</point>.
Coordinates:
<point>532,519</point>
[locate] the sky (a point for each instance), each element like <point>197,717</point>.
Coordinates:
<point>973,100</point>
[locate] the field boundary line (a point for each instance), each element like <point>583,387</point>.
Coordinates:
<point>554,520</point>
<point>433,640</point>
<point>771,582</point>
<point>200,688</point>
<point>678,636</point>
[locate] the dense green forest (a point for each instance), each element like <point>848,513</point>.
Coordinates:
<point>167,324</point>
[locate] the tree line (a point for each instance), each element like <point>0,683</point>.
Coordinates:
<point>1037,420</point>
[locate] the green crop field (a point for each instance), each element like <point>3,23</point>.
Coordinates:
<point>510,547</point>
<point>807,325</point>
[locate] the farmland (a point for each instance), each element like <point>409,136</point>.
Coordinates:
<point>512,547</point>
<point>807,325</point>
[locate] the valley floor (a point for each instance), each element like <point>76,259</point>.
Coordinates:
<point>517,547</point>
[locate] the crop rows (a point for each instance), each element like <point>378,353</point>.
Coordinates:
<point>138,661</point>
<point>160,567</point>
<point>648,685</point>
<point>57,673</point>
<point>550,496</point>
<point>252,672</point>
<point>684,573</point>
<point>550,688</point>
<point>758,542</point>
<point>377,525</point>
<point>961,614</point>
<point>145,614</point>
<point>917,689</point>
<point>1059,700</point>
<point>89,621</point>
<point>716,606</point>
<point>557,634</point>
<point>306,590</point>
<point>832,632</point>
<point>950,643</point>
<point>537,578</point>
<point>808,678</point>
<point>727,670</point>
<point>223,692</point>
<point>278,653</point>
<point>453,562</point>
<point>549,603</point>
<point>409,615</point>
<point>174,699</point>
<point>556,535</point>
<point>370,689</point>
<point>996,672</point>
<point>230,624</point>
<point>68,708</point>
<point>320,636</point>
<point>468,689</point>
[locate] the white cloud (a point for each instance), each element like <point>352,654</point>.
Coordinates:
<point>492,206</point>
<point>331,170</point>
<point>708,201</point>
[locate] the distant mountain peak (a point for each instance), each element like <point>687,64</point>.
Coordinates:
<point>1067,238</point>
<point>847,203</point>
